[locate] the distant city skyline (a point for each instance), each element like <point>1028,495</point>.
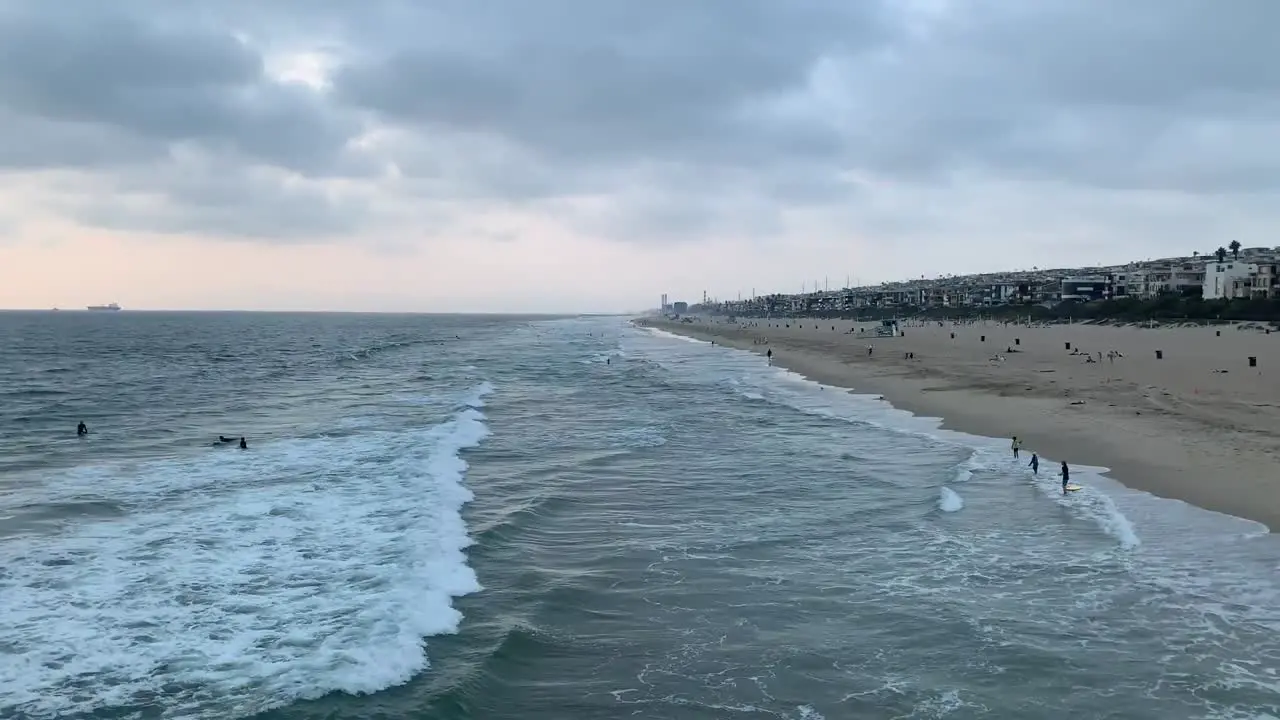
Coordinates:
<point>393,156</point>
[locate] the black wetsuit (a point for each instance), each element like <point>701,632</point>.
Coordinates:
<point>1066,478</point>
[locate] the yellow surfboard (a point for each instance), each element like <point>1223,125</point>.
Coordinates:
<point>1074,487</point>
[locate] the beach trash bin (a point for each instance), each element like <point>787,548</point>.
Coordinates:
<point>1068,345</point>
<point>953,336</point>
<point>1159,354</point>
<point>1017,341</point>
<point>982,339</point>
<point>1253,361</point>
<point>1217,333</point>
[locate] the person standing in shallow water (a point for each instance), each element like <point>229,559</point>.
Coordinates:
<point>82,429</point>
<point>1066,476</point>
<point>243,445</point>
<point>769,356</point>
<point>1034,464</point>
<point>1017,444</point>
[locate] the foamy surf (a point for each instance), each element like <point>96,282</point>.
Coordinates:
<point>1093,502</point>
<point>786,387</point>
<point>949,500</point>
<point>236,583</point>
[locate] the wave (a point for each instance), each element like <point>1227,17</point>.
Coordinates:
<point>949,500</point>
<point>343,357</point>
<point>239,583</point>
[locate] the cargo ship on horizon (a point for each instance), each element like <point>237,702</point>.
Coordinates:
<point>111,306</point>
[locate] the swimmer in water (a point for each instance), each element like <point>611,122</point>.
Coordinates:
<point>82,429</point>
<point>243,445</point>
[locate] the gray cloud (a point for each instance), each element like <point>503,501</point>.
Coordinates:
<point>696,118</point>
<point>161,84</point>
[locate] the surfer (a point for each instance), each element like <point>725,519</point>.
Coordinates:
<point>82,429</point>
<point>225,439</point>
<point>245,446</point>
<point>1034,464</point>
<point>1066,476</point>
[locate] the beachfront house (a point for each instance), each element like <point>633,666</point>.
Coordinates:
<point>1229,280</point>
<point>1266,281</point>
<point>1086,288</point>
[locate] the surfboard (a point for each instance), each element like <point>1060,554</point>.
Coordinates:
<point>1074,487</point>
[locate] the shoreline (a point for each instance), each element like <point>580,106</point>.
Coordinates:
<point>1214,447</point>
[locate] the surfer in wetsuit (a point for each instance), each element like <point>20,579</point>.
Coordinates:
<point>769,356</point>
<point>245,446</point>
<point>225,439</point>
<point>82,429</point>
<point>1066,476</point>
<point>1034,464</point>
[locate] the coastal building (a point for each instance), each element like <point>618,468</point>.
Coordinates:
<point>680,307</point>
<point>1229,280</point>
<point>1186,276</point>
<point>1266,281</point>
<point>1086,288</point>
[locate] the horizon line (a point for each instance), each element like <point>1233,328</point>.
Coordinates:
<point>320,312</point>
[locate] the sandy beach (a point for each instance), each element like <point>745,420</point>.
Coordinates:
<point>1199,424</point>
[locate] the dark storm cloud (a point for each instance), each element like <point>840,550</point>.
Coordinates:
<point>727,111</point>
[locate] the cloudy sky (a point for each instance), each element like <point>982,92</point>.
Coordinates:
<point>578,155</point>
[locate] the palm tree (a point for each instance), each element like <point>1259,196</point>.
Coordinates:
<point>1221,252</point>
<point>1235,249</point>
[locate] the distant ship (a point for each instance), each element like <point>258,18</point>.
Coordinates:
<point>112,306</point>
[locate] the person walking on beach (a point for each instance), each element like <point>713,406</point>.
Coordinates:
<point>1066,476</point>
<point>1017,445</point>
<point>769,355</point>
<point>1034,464</point>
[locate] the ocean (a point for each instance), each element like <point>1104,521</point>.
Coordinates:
<point>508,517</point>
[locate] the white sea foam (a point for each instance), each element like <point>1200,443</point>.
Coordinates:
<point>236,582</point>
<point>673,336</point>
<point>475,398</point>
<point>964,471</point>
<point>949,500</point>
